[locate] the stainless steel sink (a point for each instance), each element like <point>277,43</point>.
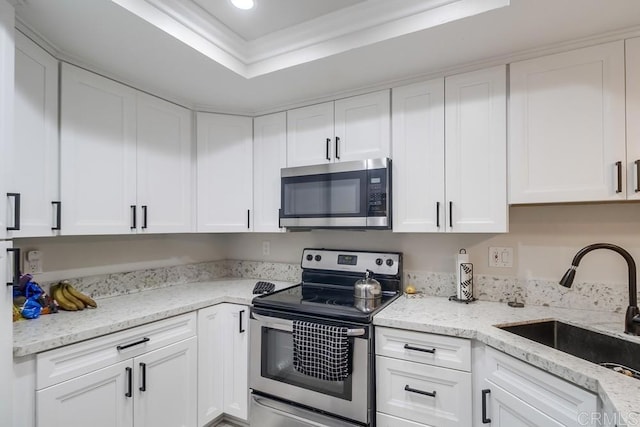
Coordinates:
<point>609,351</point>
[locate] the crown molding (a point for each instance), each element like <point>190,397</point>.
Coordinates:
<point>358,25</point>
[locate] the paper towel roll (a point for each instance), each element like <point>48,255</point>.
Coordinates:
<point>464,277</point>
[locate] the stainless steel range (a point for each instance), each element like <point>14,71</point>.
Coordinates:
<point>283,393</point>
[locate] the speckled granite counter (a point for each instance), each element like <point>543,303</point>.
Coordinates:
<point>440,316</point>
<point>122,312</point>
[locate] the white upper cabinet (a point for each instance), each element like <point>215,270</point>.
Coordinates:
<point>7,60</point>
<point>224,172</point>
<point>36,148</point>
<point>126,159</point>
<point>165,166</point>
<point>355,128</point>
<point>633,118</point>
<point>476,151</point>
<point>567,127</point>
<point>451,178</point>
<point>269,156</point>
<point>418,157</point>
<point>98,154</point>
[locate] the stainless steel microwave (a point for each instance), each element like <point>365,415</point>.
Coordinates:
<point>355,195</point>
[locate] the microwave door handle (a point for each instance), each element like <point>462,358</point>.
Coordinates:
<point>287,325</point>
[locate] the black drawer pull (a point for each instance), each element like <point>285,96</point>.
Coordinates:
<point>58,225</point>
<point>16,211</point>
<point>129,380</point>
<point>143,368</point>
<point>424,393</point>
<point>142,341</point>
<point>15,281</point>
<point>485,420</point>
<point>424,350</point>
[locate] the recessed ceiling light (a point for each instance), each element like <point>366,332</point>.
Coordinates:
<point>243,4</point>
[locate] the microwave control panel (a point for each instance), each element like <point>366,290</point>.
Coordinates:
<point>377,186</point>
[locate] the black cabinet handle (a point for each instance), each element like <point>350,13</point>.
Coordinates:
<point>425,393</point>
<point>337,147</point>
<point>327,147</point>
<point>619,168</point>
<point>16,267</point>
<point>424,350</point>
<point>143,370</point>
<point>451,214</point>
<point>58,206</point>
<point>240,328</point>
<point>438,214</point>
<point>134,219</point>
<point>16,211</point>
<point>144,216</point>
<point>248,219</point>
<point>485,420</point>
<point>637,163</point>
<point>129,380</point>
<point>142,341</point>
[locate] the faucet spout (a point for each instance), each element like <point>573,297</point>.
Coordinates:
<point>632,317</point>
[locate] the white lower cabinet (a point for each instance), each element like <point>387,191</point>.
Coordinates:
<point>415,386</point>
<point>223,362</point>
<point>516,394</point>
<point>146,376</point>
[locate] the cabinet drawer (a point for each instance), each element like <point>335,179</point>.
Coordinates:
<point>438,350</point>
<point>399,384</point>
<point>384,420</point>
<point>71,361</point>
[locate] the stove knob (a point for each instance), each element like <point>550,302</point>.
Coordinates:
<point>309,257</point>
<point>378,261</point>
<point>318,257</point>
<point>389,262</point>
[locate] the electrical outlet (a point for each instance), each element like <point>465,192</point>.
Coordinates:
<point>33,262</point>
<point>266,248</point>
<point>500,257</point>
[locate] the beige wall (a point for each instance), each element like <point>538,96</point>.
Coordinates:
<point>544,239</point>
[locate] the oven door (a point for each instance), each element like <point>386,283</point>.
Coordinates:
<point>272,371</point>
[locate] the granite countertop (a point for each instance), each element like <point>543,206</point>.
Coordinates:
<point>476,321</point>
<point>126,311</point>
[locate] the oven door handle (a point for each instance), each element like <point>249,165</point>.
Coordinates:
<point>287,325</point>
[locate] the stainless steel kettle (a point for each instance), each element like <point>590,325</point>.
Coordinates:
<point>367,293</point>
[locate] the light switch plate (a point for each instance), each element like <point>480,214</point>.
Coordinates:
<point>500,257</point>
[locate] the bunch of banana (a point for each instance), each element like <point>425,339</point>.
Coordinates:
<point>69,298</point>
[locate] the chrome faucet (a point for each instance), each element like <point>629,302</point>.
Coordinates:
<point>632,317</point>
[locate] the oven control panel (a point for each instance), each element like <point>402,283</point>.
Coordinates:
<point>387,263</point>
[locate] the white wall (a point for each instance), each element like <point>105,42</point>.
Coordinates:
<point>544,238</point>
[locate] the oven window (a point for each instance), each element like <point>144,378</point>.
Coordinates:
<point>277,364</point>
<point>337,194</point>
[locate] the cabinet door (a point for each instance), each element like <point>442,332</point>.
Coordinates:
<point>269,156</point>
<point>362,127</point>
<point>506,410</point>
<point>567,126</point>
<point>310,135</point>
<point>165,166</point>
<point>236,360</point>
<point>633,117</point>
<point>6,104</point>
<point>165,386</point>
<point>98,154</point>
<point>418,157</point>
<point>35,148</point>
<point>224,172</point>
<point>98,399</point>
<point>476,151</point>
<point>6,330</point>
<point>211,342</point>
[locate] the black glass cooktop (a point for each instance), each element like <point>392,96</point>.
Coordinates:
<point>326,300</point>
